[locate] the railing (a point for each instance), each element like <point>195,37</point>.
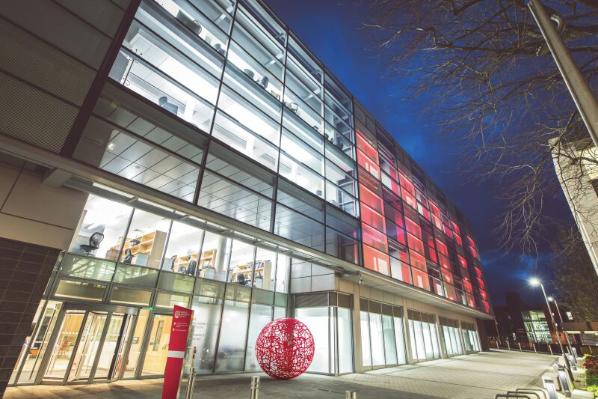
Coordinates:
<point>540,347</point>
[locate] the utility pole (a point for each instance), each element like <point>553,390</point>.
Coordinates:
<point>576,83</point>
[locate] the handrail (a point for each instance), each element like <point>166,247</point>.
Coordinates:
<point>543,392</point>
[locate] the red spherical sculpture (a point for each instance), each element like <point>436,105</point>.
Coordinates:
<point>284,348</point>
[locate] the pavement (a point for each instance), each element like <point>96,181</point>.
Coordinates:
<point>464,377</point>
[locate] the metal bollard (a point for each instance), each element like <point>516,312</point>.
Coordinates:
<point>534,345</point>
<point>550,349</point>
<point>350,395</point>
<point>191,383</point>
<point>508,345</point>
<point>255,387</point>
<point>518,343</point>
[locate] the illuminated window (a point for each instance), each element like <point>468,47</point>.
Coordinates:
<point>368,164</point>
<point>417,261</point>
<point>366,148</point>
<point>370,198</point>
<point>420,279</point>
<point>373,218</point>
<point>415,243</point>
<point>374,238</point>
<point>413,228</point>
<point>375,260</point>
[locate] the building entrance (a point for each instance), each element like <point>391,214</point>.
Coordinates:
<point>88,346</point>
<point>77,343</point>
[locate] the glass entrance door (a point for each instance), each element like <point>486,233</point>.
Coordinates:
<point>65,345</point>
<point>89,346</point>
<point>110,348</point>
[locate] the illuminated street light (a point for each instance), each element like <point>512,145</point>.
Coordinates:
<point>535,282</point>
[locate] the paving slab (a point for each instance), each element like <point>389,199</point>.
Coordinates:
<point>474,376</point>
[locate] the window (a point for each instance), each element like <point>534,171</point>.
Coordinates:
<point>233,200</point>
<point>299,228</point>
<point>377,339</point>
<point>302,153</point>
<point>102,229</point>
<point>241,263</point>
<point>231,346</point>
<point>145,240</point>
<point>316,319</point>
<point>366,350</point>
<point>265,269</point>
<point>301,175</point>
<point>206,19</point>
<point>424,336</point>
<point>250,121</point>
<point>144,163</point>
<point>206,319</point>
<point>261,314</point>
<point>283,270</point>
<point>183,250</point>
<point>376,260</point>
<point>214,258</point>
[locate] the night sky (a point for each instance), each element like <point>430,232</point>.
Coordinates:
<point>334,32</point>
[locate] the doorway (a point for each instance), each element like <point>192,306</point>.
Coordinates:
<point>89,345</point>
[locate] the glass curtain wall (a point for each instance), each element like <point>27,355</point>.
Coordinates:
<point>122,254</point>
<point>471,339</point>
<point>236,73</point>
<point>328,317</point>
<point>276,105</point>
<point>451,336</point>
<point>382,339</point>
<point>423,335</point>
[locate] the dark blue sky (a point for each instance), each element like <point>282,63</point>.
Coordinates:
<point>334,32</point>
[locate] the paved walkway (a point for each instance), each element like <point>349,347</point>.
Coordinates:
<point>480,375</point>
<point>464,377</point>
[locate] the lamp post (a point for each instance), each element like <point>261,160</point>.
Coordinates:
<point>575,81</point>
<point>535,282</point>
<point>558,312</point>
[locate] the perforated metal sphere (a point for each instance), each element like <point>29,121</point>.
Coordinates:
<point>285,348</point>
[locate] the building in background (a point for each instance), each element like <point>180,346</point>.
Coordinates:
<point>576,167</point>
<point>519,322</point>
<point>536,326</point>
<point>194,152</point>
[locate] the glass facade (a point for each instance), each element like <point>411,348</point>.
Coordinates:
<point>423,334</point>
<point>451,336</point>
<point>328,317</point>
<point>272,140</point>
<point>216,104</point>
<point>382,338</point>
<point>471,340</point>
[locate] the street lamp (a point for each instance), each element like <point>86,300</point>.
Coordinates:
<point>535,282</point>
<point>558,312</point>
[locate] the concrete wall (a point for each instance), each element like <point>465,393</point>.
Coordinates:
<point>37,221</point>
<point>34,212</point>
<point>582,197</point>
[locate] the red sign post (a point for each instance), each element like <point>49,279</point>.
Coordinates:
<point>179,331</point>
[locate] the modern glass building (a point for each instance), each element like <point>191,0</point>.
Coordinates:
<point>202,156</point>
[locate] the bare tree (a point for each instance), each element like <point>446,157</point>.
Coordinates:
<point>575,283</point>
<point>493,79</point>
